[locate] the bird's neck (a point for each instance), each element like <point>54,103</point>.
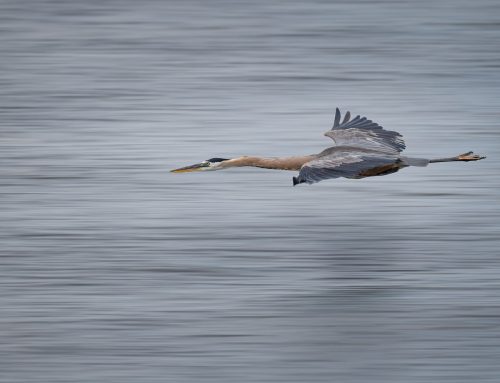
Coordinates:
<point>283,163</point>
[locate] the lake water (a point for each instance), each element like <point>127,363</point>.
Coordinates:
<point>112,269</point>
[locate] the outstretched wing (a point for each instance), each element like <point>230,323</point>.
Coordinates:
<point>337,162</point>
<point>364,133</point>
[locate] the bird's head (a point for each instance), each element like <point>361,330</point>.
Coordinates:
<point>211,164</point>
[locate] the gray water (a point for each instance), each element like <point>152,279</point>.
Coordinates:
<point>112,269</point>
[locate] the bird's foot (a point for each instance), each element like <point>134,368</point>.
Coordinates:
<point>469,156</point>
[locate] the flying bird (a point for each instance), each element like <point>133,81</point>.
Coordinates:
<point>362,149</point>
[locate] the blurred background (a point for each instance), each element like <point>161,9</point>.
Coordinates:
<point>112,269</point>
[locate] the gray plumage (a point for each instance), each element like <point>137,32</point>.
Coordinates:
<point>364,133</point>
<point>343,161</point>
<point>361,146</point>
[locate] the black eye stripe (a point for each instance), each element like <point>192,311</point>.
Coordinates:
<point>217,159</point>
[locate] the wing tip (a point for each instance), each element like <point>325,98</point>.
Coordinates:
<point>297,180</point>
<point>336,121</point>
<point>338,115</point>
<point>347,116</point>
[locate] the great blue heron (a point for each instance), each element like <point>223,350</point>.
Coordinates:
<point>363,149</point>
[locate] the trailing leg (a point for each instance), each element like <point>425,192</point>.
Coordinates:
<point>469,156</point>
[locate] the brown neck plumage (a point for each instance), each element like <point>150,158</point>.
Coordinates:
<point>283,163</point>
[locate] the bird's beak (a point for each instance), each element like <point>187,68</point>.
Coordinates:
<point>190,168</point>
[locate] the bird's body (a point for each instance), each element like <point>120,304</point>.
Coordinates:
<point>363,149</point>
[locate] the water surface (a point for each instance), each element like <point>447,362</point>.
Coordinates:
<point>114,270</point>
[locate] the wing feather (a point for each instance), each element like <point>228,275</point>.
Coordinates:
<point>364,133</point>
<point>338,162</point>
<point>336,121</point>
<point>346,117</point>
